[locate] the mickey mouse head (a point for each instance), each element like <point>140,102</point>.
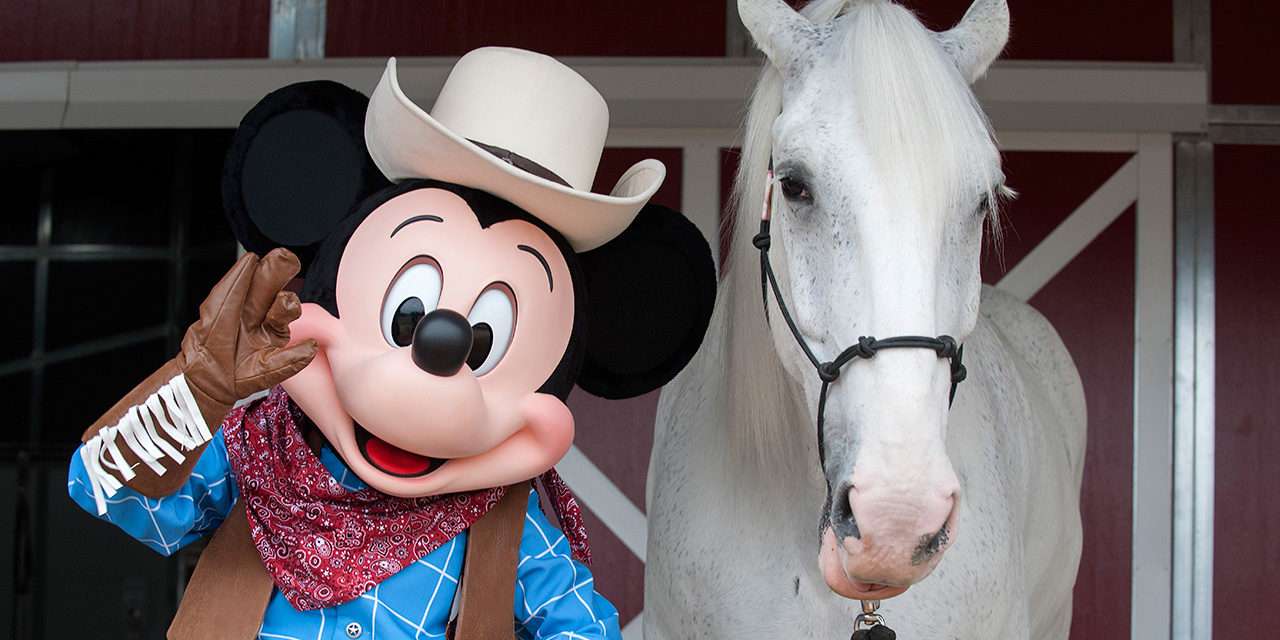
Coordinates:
<point>452,324</point>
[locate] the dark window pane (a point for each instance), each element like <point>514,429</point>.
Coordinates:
<point>19,205</point>
<point>17,290</point>
<point>202,274</point>
<point>79,391</point>
<point>92,300</point>
<point>96,581</point>
<point>117,191</point>
<point>208,226</point>
<point>15,393</point>
<point>206,223</point>
<point>8,513</point>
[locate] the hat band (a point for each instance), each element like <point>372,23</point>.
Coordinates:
<point>520,162</point>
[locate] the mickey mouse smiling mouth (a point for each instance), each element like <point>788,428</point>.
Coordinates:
<point>391,459</point>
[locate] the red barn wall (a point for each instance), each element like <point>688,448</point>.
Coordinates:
<point>188,29</point>
<point>554,27</point>
<point>132,29</point>
<point>1243,73</point>
<point>1244,52</point>
<point>1247,506</point>
<point>1138,31</point>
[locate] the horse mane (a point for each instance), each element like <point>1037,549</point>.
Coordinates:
<point>922,125</point>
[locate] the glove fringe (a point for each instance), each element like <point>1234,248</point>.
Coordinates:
<point>173,409</point>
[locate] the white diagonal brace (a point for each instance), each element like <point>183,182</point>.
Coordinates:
<point>597,491</point>
<point>1075,233</point>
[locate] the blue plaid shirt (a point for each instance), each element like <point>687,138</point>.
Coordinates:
<point>555,595</point>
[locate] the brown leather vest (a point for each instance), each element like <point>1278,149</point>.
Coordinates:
<point>229,589</point>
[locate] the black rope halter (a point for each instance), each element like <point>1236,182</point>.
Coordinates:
<point>866,347</point>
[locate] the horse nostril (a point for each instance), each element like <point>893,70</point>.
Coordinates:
<point>843,521</point>
<point>441,342</point>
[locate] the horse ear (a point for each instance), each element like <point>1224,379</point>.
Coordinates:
<point>650,293</point>
<point>297,167</point>
<point>979,38</point>
<point>781,32</point>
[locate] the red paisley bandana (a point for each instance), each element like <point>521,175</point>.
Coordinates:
<point>324,545</point>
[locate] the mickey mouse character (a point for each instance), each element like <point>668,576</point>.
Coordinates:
<point>459,277</point>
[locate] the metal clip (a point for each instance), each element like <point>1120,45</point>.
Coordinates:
<point>868,618</point>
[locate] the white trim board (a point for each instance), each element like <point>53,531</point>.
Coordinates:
<point>686,93</point>
<point>1067,141</point>
<point>1152,545</point>
<point>1009,140</point>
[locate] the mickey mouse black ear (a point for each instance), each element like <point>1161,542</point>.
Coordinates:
<point>297,167</point>
<point>650,295</point>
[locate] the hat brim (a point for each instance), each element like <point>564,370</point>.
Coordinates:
<point>406,142</point>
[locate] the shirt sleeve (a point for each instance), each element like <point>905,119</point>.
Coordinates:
<point>555,594</point>
<point>166,524</point>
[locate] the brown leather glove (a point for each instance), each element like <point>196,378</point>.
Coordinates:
<point>236,349</point>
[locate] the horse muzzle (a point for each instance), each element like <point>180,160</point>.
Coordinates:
<point>883,539</point>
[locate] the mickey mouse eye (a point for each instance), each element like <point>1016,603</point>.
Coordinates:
<point>493,321</point>
<point>414,293</point>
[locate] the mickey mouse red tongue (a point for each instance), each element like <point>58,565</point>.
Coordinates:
<point>392,459</point>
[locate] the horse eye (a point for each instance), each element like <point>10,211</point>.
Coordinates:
<point>795,190</point>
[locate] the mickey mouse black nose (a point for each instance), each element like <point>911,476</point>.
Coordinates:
<point>441,342</point>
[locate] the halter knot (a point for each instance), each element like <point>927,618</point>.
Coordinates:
<point>761,240</point>
<point>949,347</point>
<point>866,347</point>
<point>828,372</point>
<point>958,373</point>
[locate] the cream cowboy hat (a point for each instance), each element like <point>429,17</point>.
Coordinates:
<point>519,125</point>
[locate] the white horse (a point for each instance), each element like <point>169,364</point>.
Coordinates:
<point>887,174</point>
